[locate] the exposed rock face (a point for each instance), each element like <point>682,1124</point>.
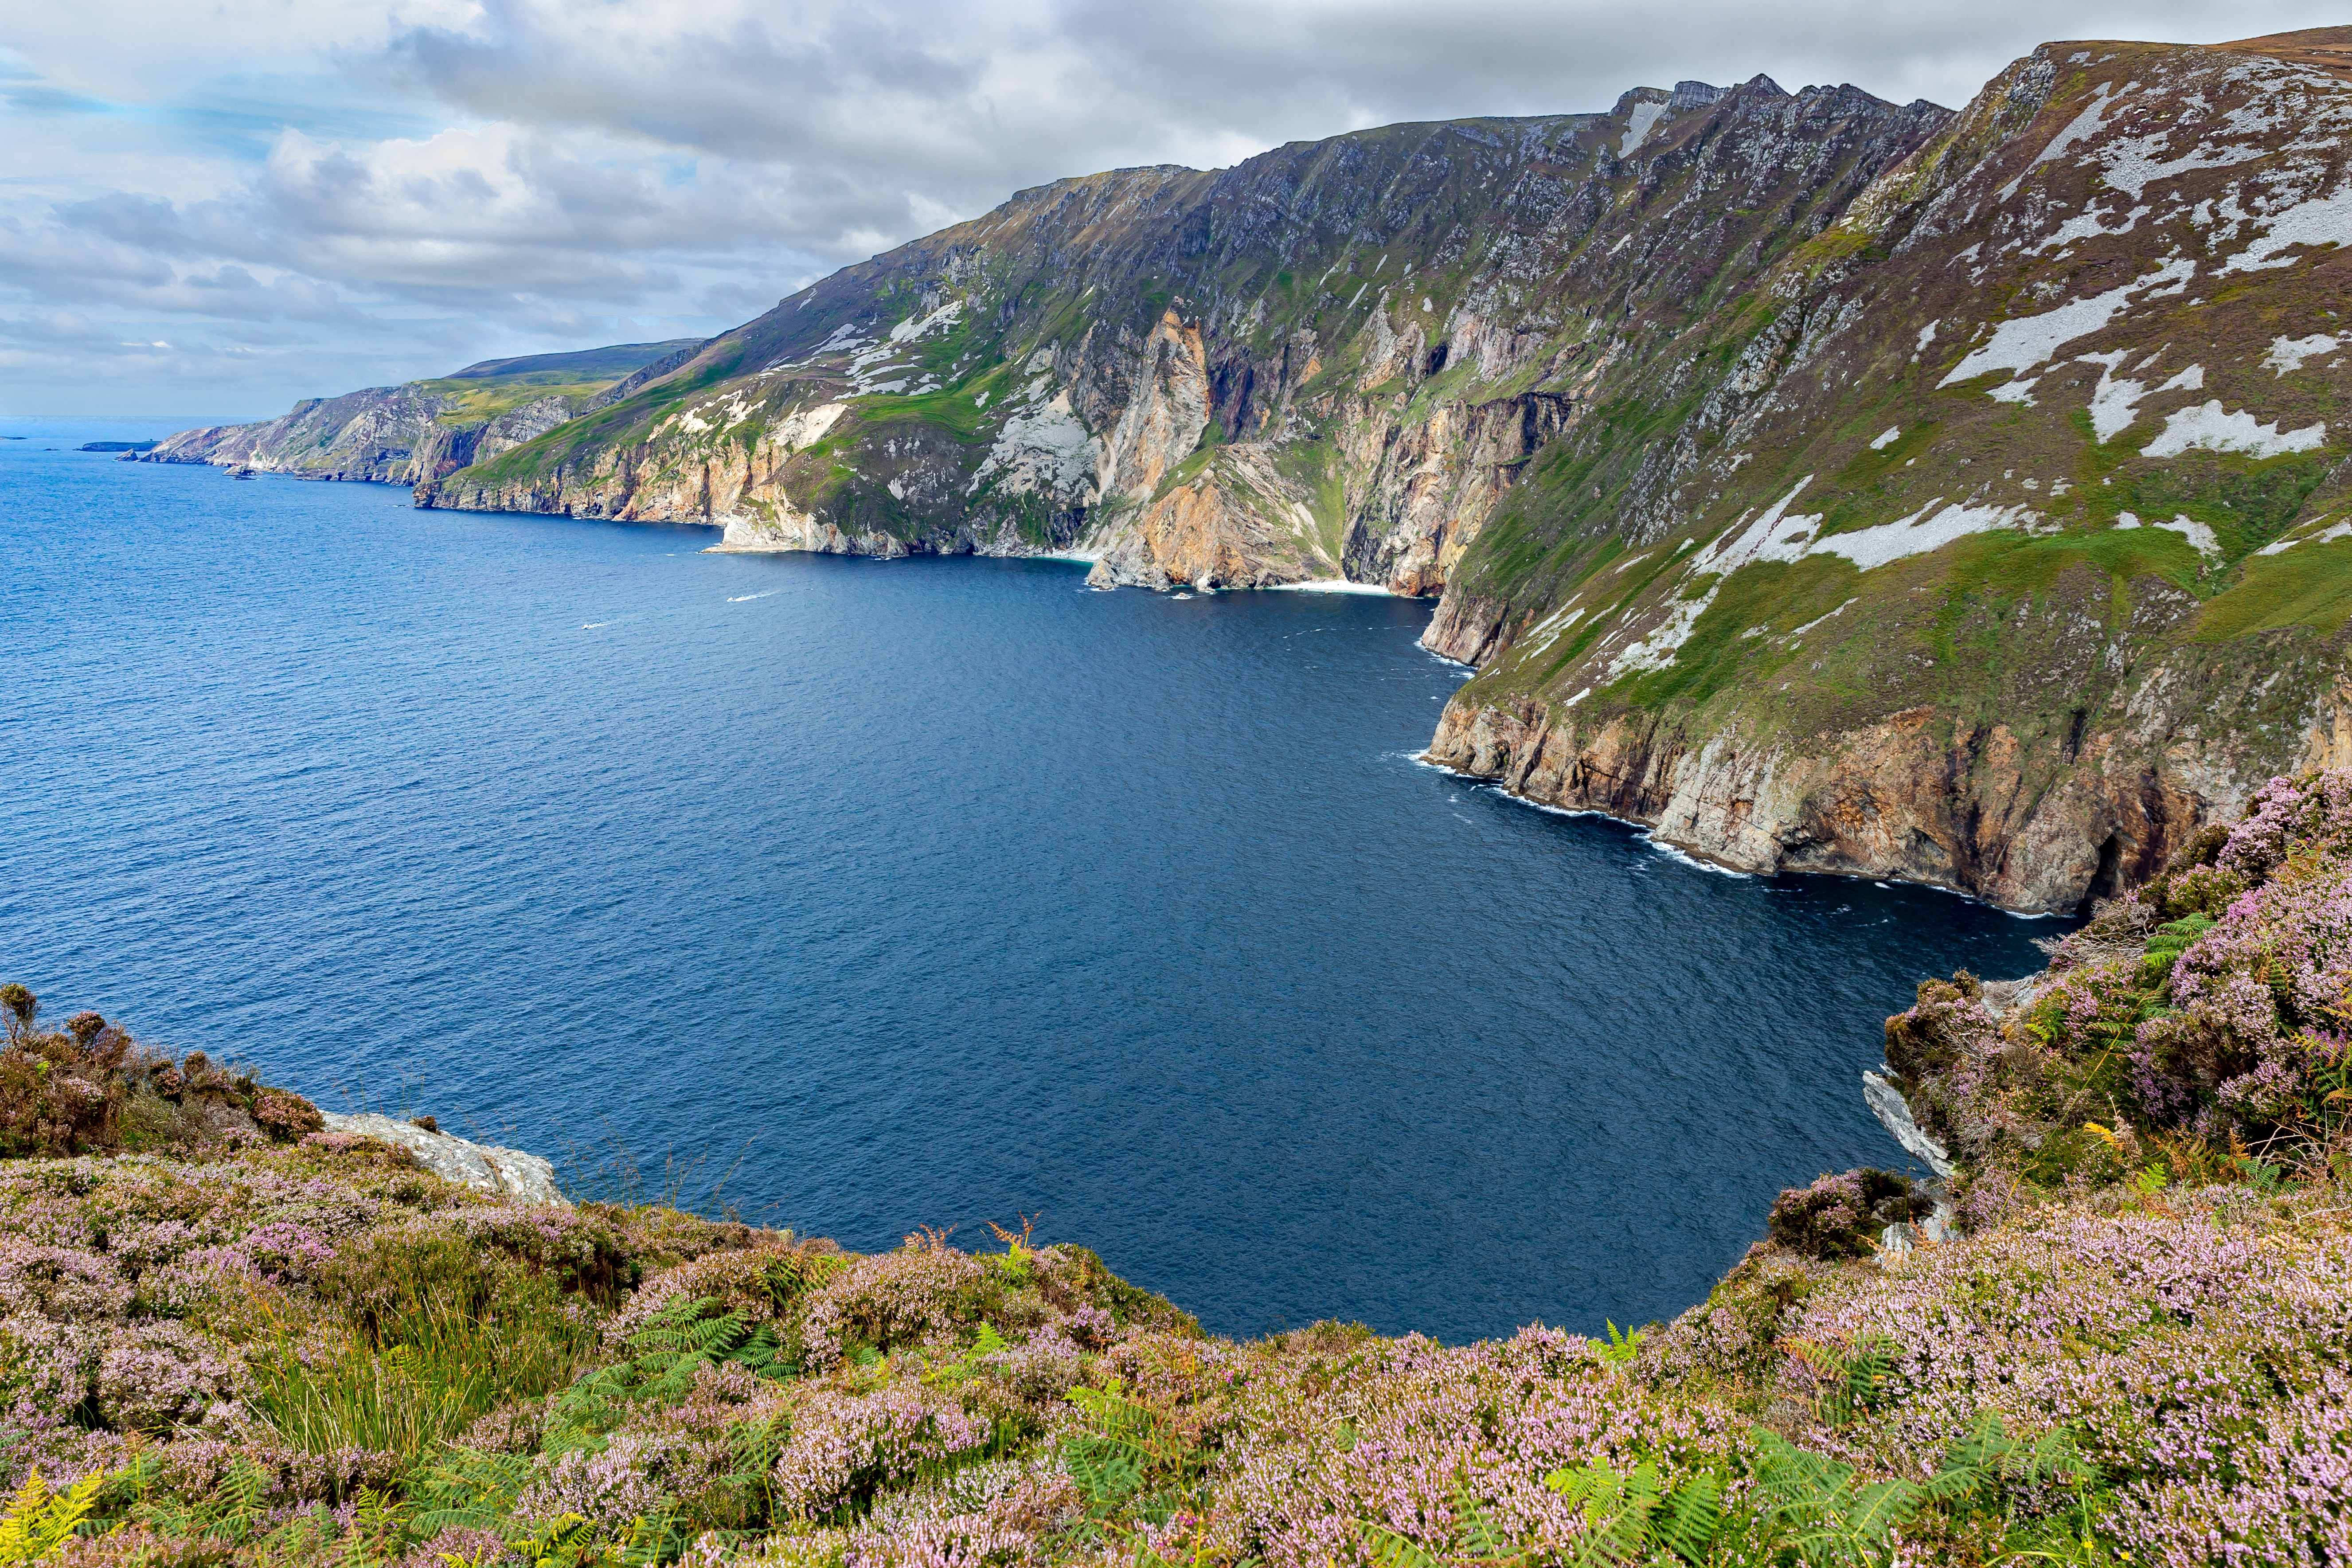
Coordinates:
<point>525,1178</point>
<point>1331,361</point>
<point>387,433</point>
<point>421,430</point>
<point>1979,808</point>
<point>1238,522</point>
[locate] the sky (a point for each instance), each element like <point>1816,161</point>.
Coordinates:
<point>214,207</point>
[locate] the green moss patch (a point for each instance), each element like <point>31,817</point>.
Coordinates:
<point>2305,585</point>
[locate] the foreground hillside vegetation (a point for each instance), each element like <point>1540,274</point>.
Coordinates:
<point>2117,1333</point>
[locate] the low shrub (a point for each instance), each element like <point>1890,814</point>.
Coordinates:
<point>88,1088</point>
<point>1843,1216</point>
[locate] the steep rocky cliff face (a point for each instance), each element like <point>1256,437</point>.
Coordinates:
<point>421,430</point>
<point>1831,484</point>
<point>1995,540</point>
<point>1329,361</point>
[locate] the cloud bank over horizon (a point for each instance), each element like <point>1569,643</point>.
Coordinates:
<point>214,214</point>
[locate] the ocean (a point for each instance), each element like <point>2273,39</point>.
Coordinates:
<point>856,897</point>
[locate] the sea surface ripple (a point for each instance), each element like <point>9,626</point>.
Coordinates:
<point>858,896</point>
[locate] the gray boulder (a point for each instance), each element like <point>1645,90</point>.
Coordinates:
<point>510,1172</point>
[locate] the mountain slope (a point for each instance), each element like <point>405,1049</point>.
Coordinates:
<point>1831,484</point>
<point>421,429</point>
<point>1326,362</point>
<point>1995,548</point>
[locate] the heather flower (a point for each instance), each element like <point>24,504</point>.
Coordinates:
<point>159,1376</point>
<point>1841,1215</point>
<point>846,1446</point>
<point>918,1295</point>
<point>756,1282</point>
<point>458,1545</point>
<point>612,1488</point>
<point>1043,1367</point>
<point>962,1541</point>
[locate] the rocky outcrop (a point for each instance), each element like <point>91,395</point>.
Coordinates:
<point>387,433</point>
<point>1832,484</point>
<point>1377,332</point>
<point>2034,823</point>
<point>510,1172</point>
<point>1235,523</point>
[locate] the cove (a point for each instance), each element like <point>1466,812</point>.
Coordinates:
<point>874,895</point>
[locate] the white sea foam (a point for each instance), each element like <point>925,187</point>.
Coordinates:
<point>1330,586</point>
<point>1670,852</point>
<point>747,598</point>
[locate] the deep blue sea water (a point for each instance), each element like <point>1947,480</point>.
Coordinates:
<point>930,892</point>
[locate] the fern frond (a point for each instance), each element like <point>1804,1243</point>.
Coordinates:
<point>1387,1549</point>
<point>38,1520</point>
<point>469,1488</point>
<point>1106,1472</point>
<point>1582,1485</point>
<point>1879,1508</point>
<point>1474,1529</point>
<point>1690,1516</point>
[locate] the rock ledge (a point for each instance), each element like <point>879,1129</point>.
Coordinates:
<point>510,1173</point>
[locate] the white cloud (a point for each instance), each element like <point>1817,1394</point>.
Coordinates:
<point>305,197</point>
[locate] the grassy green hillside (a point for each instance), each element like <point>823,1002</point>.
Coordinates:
<point>419,429</point>
<point>481,392</point>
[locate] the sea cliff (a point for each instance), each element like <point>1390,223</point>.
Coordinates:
<point>1828,483</point>
<point>2105,1326</point>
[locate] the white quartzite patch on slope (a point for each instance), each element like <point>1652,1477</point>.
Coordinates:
<point>2189,528</point>
<point>2114,401</point>
<point>1920,532</point>
<point>2205,424</point>
<point>2019,345</point>
<point>1042,449</point>
<point>1638,126</point>
<point>1777,535</point>
<point>2324,536</point>
<point>510,1172</point>
<point>2288,353</point>
<point>2327,220</point>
